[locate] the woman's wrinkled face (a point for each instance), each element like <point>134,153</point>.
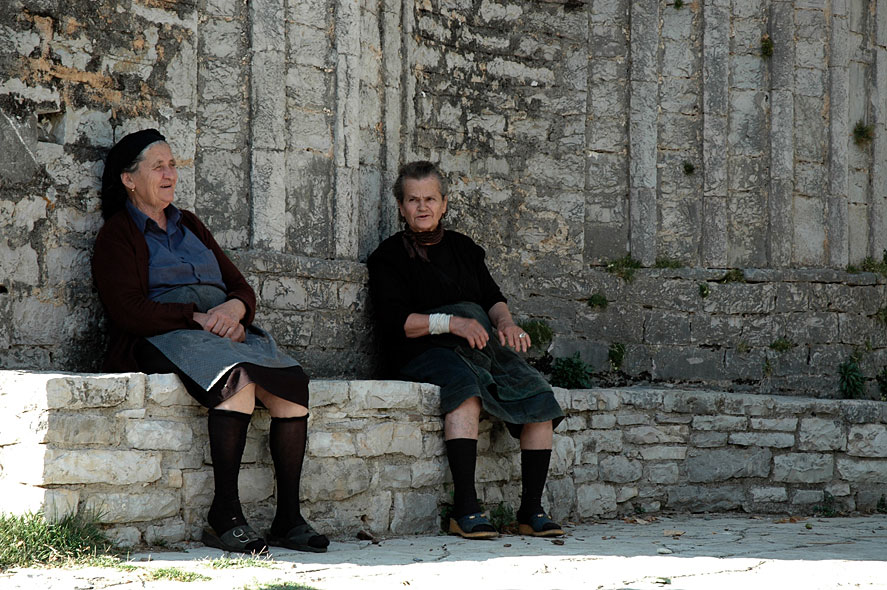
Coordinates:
<point>153,185</point>
<point>422,205</point>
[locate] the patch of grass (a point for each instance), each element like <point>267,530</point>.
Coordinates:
<point>734,275</point>
<point>766,46</point>
<point>110,561</point>
<point>704,290</point>
<point>689,168</point>
<point>851,381</point>
<point>666,262</point>
<point>828,507</point>
<point>175,574</point>
<point>742,347</point>
<point>863,134</point>
<point>596,301</point>
<point>870,264</point>
<point>882,504</point>
<point>540,333</point>
<point>570,372</point>
<point>29,539</point>
<point>678,4</point>
<point>503,518</point>
<point>767,369</point>
<point>624,267</point>
<point>782,344</point>
<point>221,563</point>
<point>616,354</point>
<point>881,315</point>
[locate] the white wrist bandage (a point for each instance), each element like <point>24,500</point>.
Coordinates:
<point>439,323</point>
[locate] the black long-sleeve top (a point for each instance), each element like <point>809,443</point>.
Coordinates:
<point>399,286</point>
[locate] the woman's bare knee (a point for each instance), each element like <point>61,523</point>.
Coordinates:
<point>463,421</point>
<point>279,407</point>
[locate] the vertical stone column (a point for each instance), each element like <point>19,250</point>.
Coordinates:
<point>839,134</point>
<point>393,37</point>
<point>715,71</point>
<point>268,124</point>
<point>878,218</point>
<point>643,137</point>
<point>782,123</point>
<point>347,129</point>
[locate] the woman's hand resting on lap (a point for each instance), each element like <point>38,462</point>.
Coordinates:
<point>470,329</point>
<point>224,320</point>
<point>510,335</point>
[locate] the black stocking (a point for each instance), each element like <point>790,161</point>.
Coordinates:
<point>227,439</point>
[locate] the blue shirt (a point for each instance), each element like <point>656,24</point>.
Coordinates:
<point>176,257</point>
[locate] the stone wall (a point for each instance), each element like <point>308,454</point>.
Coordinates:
<point>575,132</point>
<point>134,449</point>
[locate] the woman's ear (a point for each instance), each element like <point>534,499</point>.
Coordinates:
<point>126,179</point>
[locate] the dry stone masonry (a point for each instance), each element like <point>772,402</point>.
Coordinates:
<point>132,449</point>
<point>713,135</point>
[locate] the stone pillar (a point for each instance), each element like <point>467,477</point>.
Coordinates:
<point>393,76</point>
<point>878,217</point>
<point>715,71</point>
<point>347,129</point>
<point>839,135</point>
<point>268,124</point>
<point>782,123</point>
<point>643,136</point>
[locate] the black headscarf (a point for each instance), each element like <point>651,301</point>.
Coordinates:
<point>119,157</point>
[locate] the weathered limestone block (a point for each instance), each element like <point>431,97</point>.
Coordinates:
<point>663,453</point>
<point>779,424</point>
<point>332,444</point>
<point>708,439</point>
<point>724,464</point>
<point>616,468</point>
<point>817,434</point>
<point>803,467</point>
<point>125,536</point>
<point>730,423</point>
<point>390,438</point>
<point>862,470</point>
<point>167,390</point>
<point>67,429</point>
<point>104,391</point>
<point>631,418</point>
<point>607,441</point>
<point>174,531</point>
<point>158,435</point>
<point>648,435</point>
<point>384,394</point>
<point>769,494</point>
<point>779,440</point>
<point>603,421</point>
<point>563,454</point>
<point>329,393</point>
<point>136,507</point>
<point>255,485</point>
<point>692,402</point>
<point>334,479</point>
<point>867,440</point>
<point>596,500</point>
<point>801,497</point>
<point>394,476</point>
<point>664,473</point>
<point>197,489</point>
<point>414,513</point>
<point>427,473</point>
<point>100,466</point>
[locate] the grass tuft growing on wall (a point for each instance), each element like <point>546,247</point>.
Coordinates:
<point>623,268</point>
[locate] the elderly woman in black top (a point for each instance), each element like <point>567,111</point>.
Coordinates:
<point>442,319</point>
<point>177,304</point>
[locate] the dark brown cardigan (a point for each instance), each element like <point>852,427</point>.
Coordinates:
<point>120,272</point>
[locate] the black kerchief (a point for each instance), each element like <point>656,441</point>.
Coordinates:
<point>119,157</point>
<point>416,243</point>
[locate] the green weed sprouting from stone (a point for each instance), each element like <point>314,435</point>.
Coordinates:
<point>540,333</point>
<point>666,262</point>
<point>175,574</point>
<point>570,372</point>
<point>624,267</point>
<point>678,4</point>
<point>742,347</point>
<point>616,354</point>
<point>503,518</point>
<point>596,301</point>
<point>734,275</point>
<point>29,539</point>
<point>221,563</point>
<point>882,504</point>
<point>870,264</point>
<point>704,290</point>
<point>851,381</point>
<point>863,134</point>
<point>828,507</point>
<point>782,344</point>
<point>881,314</point>
<point>689,168</point>
<point>766,46</point>
<point>767,369</point>
<point>881,378</point>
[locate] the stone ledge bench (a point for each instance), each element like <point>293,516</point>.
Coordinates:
<point>133,448</point>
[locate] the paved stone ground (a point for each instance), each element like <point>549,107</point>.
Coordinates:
<point>675,552</point>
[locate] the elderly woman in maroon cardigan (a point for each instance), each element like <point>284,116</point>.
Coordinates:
<point>177,304</point>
